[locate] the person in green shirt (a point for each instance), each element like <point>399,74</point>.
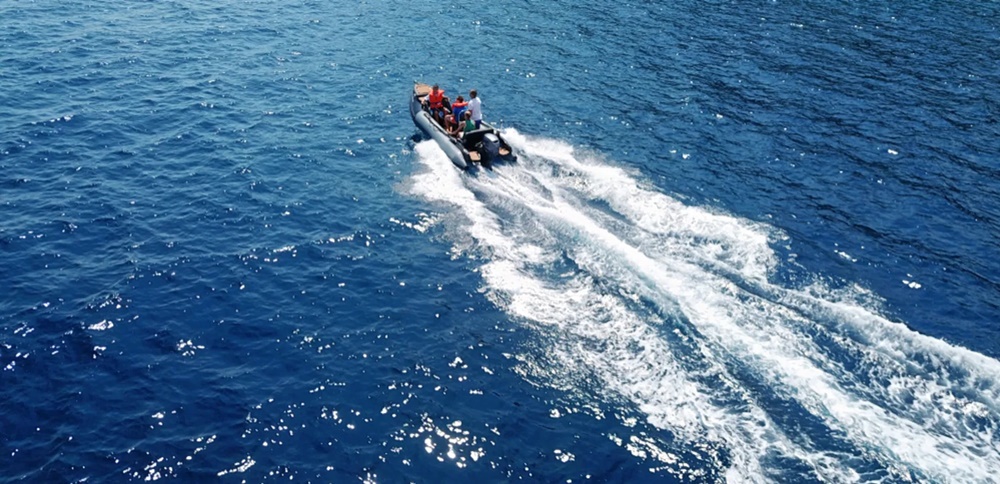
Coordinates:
<point>470,125</point>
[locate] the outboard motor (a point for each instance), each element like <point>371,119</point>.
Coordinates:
<point>491,146</point>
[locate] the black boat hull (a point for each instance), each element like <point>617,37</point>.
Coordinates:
<point>462,152</point>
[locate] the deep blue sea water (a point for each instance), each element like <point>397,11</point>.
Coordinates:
<point>744,242</point>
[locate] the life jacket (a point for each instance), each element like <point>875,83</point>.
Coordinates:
<point>436,101</point>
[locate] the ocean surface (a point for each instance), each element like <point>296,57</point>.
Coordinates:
<point>743,242</point>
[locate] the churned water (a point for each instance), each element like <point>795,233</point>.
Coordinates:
<point>744,242</point>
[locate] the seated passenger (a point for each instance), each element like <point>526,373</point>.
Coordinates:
<point>469,125</point>
<point>435,103</point>
<point>450,126</point>
<point>458,107</point>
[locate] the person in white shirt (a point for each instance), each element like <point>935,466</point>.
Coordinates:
<point>476,108</point>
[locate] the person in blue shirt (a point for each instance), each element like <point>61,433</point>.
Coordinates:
<point>458,108</point>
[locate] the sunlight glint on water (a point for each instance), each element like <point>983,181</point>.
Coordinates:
<point>635,254</point>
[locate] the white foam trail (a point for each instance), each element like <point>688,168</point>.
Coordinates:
<point>573,306</point>
<point>583,251</point>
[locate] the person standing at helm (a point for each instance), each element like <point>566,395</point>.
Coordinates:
<point>476,108</point>
<point>435,102</point>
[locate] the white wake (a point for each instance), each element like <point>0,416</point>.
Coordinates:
<point>671,308</point>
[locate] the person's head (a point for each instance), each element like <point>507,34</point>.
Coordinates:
<point>449,118</point>
<point>460,98</point>
<point>473,94</point>
<point>434,87</point>
<point>467,115</point>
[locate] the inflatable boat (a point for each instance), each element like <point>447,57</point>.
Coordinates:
<point>485,145</point>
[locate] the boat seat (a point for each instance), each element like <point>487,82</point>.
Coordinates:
<point>473,137</point>
<point>474,156</point>
<point>422,90</point>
